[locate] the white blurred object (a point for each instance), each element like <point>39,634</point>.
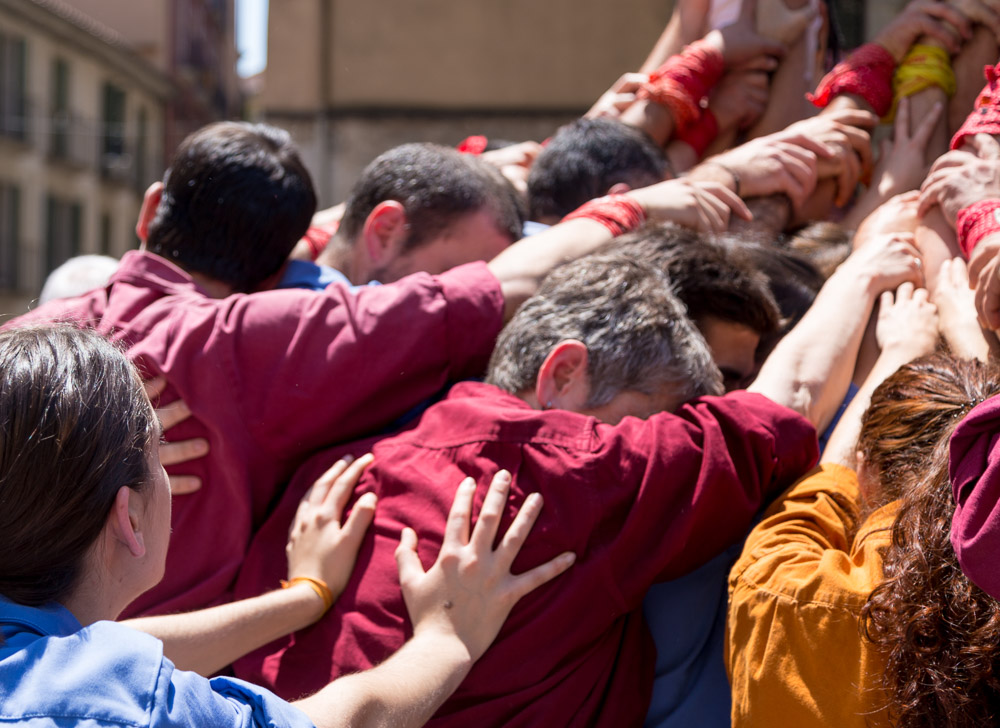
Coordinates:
<point>723,13</point>
<point>77,276</point>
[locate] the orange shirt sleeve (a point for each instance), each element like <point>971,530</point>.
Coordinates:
<point>794,651</point>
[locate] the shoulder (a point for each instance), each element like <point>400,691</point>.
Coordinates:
<point>106,673</point>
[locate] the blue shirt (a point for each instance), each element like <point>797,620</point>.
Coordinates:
<point>53,673</point>
<point>687,618</point>
<point>311,276</point>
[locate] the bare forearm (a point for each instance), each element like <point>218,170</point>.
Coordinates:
<point>402,692</point>
<point>810,369</point>
<point>521,267</point>
<point>209,639</point>
<point>843,443</point>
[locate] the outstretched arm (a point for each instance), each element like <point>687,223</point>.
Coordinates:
<point>810,369</point>
<point>321,553</point>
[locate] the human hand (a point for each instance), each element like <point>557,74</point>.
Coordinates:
<point>844,138</point>
<point>703,206</point>
<point>984,277</point>
<point>523,154</point>
<point>896,215</point>
<point>469,591</point>
<point>983,12</point>
<point>740,98</point>
<point>779,22</point>
<point>907,324</point>
<point>956,303</point>
<point>887,261</point>
<point>769,165</point>
<point>321,546</point>
<point>962,178</point>
<point>174,453</point>
<point>739,42</point>
<point>514,163</point>
<point>619,97</point>
<point>939,21</point>
<point>901,165</point>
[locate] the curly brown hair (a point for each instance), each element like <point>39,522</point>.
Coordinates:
<point>939,633</point>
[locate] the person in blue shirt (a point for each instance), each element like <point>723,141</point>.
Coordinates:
<point>85,522</point>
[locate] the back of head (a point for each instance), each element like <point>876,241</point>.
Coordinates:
<point>75,427</point>
<point>710,278</point>
<point>940,634</point>
<point>436,185</point>
<point>236,199</point>
<point>78,275</point>
<point>635,330</point>
<point>584,160</point>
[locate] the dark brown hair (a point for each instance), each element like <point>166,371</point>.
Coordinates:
<point>710,277</point>
<point>236,199</point>
<point>940,634</point>
<point>75,426</point>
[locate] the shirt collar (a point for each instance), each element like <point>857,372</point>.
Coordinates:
<point>52,619</point>
<point>139,267</point>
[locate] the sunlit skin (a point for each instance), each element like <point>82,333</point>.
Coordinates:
<point>472,237</point>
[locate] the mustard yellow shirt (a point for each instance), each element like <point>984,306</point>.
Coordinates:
<point>794,649</point>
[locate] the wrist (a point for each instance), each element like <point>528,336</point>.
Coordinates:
<point>976,223</point>
<point>312,594</point>
<point>444,643</point>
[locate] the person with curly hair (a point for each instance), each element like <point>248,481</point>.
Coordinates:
<point>847,606</point>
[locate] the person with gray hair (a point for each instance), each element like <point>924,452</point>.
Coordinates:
<point>588,400</point>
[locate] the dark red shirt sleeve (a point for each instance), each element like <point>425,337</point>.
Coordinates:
<point>705,472</point>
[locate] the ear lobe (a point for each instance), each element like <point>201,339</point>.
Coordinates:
<point>562,381</point>
<point>619,188</point>
<point>125,521</point>
<point>150,201</point>
<point>384,232</point>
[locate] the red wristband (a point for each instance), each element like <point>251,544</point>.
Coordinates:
<point>618,213</point>
<point>317,238</point>
<point>975,222</point>
<point>700,135</point>
<point>866,73</point>
<point>985,115</point>
<point>684,81</point>
<point>473,145</point>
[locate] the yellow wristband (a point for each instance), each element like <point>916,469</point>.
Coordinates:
<point>924,66</point>
<point>318,586</point>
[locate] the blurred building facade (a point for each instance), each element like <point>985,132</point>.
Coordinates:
<point>352,79</point>
<point>193,42</point>
<point>82,120</point>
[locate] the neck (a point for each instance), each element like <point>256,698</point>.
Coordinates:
<point>90,603</point>
<point>214,288</point>
<point>339,254</point>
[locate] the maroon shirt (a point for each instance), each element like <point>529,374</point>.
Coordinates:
<point>639,502</point>
<point>974,467</point>
<point>270,377</point>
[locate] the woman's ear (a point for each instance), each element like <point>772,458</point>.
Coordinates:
<point>124,521</point>
<point>562,381</point>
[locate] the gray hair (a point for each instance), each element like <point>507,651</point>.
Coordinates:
<point>636,331</point>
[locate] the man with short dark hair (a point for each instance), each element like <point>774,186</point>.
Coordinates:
<point>589,158</point>
<point>583,404</point>
<point>422,207</point>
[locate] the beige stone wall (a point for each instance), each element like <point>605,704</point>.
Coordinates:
<point>31,166</point>
<point>145,24</point>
